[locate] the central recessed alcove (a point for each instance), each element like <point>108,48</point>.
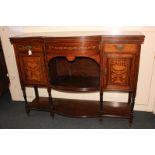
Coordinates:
<point>81,74</point>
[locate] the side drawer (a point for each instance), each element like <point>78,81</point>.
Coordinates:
<point>25,46</point>
<point>130,48</point>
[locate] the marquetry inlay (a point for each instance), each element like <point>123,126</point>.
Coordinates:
<point>91,47</point>
<point>119,71</point>
<point>32,69</point>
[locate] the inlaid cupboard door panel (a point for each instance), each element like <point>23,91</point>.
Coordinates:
<point>119,71</point>
<point>32,69</point>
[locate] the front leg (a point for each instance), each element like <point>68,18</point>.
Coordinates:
<point>50,102</point>
<point>27,107</point>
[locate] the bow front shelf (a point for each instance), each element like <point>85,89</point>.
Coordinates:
<point>85,63</point>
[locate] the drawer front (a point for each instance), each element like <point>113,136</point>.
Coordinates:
<point>131,48</point>
<point>26,46</point>
<point>78,49</point>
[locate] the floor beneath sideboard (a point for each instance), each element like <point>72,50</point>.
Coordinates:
<point>13,116</point>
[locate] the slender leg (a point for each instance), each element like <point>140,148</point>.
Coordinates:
<point>129,98</point>
<point>101,106</point>
<point>131,118</point>
<point>36,92</point>
<point>27,107</point>
<point>131,114</point>
<point>133,101</point>
<point>50,102</point>
<point>131,107</point>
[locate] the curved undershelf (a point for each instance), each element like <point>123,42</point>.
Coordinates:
<point>82,108</point>
<point>76,84</point>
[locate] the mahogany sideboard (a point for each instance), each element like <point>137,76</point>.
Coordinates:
<point>79,64</point>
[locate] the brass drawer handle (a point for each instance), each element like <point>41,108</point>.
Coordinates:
<point>29,48</point>
<point>119,47</point>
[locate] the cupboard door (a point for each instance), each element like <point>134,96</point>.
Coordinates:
<point>32,69</point>
<point>119,71</point>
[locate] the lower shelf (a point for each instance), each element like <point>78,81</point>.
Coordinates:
<point>40,104</point>
<point>82,108</point>
<point>75,83</point>
<point>116,109</point>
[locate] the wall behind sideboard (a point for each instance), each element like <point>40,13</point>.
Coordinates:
<point>145,71</point>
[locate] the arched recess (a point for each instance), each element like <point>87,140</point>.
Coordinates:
<point>74,73</point>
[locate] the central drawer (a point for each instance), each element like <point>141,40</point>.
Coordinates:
<point>75,46</point>
<point>72,48</point>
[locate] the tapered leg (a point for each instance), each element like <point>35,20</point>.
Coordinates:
<point>50,102</point>
<point>129,102</point>
<point>27,107</point>
<point>133,101</point>
<point>133,96</point>
<point>131,119</point>
<point>101,106</point>
<point>36,92</point>
<point>129,98</point>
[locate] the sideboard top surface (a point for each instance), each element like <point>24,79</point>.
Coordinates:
<point>82,36</point>
<point>79,34</point>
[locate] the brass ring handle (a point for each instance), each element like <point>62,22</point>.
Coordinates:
<point>119,47</point>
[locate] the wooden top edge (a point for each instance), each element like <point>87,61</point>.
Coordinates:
<point>74,37</point>
<point>81,36</point>
<point>123,36</point>
<point>78,34</point>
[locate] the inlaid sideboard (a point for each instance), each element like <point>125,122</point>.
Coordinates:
<point>83,63</point>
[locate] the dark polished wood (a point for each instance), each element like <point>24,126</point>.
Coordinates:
<point>76,108</point>
<point>116,109</point>
<point>76,75</point>
<point>68,107</point>
<point>40,104</point>
<point>79,108</point>
<point>80,64</point>
<point>73,83</point>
